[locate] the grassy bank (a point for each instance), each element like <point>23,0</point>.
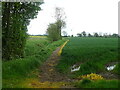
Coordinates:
<point>37,50</point>
<point>97,84</point>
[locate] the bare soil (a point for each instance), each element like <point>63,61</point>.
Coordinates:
<point>50,74</point>
<point>109,75</point>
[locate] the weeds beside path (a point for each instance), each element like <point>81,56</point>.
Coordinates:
<point>23,72</point>
<point>49,77</point>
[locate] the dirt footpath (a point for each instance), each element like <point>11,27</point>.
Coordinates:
<point>48,72</point>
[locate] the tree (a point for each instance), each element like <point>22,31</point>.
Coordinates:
<point>105,35</point>
<point>79,34</point>
<point>96,35</point>
<point>54,29</point>
<point>84,33</point>
<point>60,19</point>
<point>15,18</point>
<point>64,33</point>
<point>100,34</point>
<point>89,35</point>
<point>53,33</point>
<point>109,35</point>
<point>115,35</point>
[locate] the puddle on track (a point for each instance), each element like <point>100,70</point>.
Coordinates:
<point>75,68</point>
<point>109,68</point>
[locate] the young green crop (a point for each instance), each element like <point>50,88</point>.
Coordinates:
<point>92,54</point>
<point>86,83</point>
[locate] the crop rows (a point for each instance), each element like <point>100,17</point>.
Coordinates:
<point>92,54</point>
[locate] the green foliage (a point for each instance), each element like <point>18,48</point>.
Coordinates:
<point>98,84</point>
<point>53,32</point>
<point>65,33</point>
<point>115,35</point>
<point>96,35</point>
<point>84,33</point>
<point>92,54</point>
<point>116,69</point>
<point>79,35</point>
<point>89,35</point>
<point>54,29</point>
<point>86,81</point>
<point>15,18</point>
<point>36,52</point>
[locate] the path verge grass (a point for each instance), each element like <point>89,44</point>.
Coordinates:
<point>97,84</point>
<point>37,50</point>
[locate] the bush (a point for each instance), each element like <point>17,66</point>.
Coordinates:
<point>86,81</point>
<point>53,32</point>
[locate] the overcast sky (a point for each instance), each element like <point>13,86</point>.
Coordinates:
<point>82,15</point>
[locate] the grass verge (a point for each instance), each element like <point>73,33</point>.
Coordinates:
<point>97,84</point>
<point>37,50</point>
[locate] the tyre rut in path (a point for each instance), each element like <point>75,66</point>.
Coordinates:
<point>49,73</point>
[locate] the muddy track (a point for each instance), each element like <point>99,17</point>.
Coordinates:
<point>108,74</point>
<point>49,73</point>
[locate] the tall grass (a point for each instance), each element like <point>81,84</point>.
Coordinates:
<point>98,84</point>
<point>37,50</point>
<point>116,69</point>
<point>92,53</point>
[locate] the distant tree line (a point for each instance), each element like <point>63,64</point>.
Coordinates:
<point>38,35</point>
<point>84,34</point>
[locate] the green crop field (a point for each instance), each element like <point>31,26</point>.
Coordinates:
<point>92,54</point>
